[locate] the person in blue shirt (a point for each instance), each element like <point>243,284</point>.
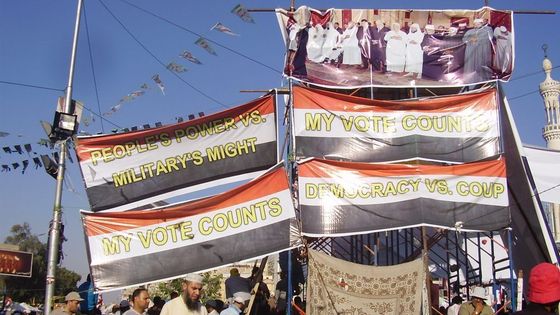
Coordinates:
<point>89,302</point>
<point>238,305</point>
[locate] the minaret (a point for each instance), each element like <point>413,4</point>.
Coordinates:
<point>550,91</point>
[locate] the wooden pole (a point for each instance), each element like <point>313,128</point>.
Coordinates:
<point>425,253</point>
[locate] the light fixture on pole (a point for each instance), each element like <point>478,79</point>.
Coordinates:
<point>64,126</point>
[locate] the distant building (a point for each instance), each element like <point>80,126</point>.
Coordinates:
<point>550,91</point>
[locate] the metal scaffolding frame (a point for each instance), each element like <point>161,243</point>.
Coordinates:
<point>449,254</point>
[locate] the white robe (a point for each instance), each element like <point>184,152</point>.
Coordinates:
<point>315,43</point>
<point>329,50</point>
<point>396,50</point>
<point>414,53</point>
<point>503,58</point>
<point>352,54</point>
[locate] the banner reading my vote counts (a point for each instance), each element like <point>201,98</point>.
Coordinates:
<point>128,170</point>
<point>333,126</point>
<point>343,198</point>
<point>134,247</point>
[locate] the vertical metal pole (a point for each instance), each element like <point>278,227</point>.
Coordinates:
<point>513,286</point>
<point>54,233</point>
<point>425,258</point>
<point>290,290</point>
<point>290,163</point>
<point>278,117</point>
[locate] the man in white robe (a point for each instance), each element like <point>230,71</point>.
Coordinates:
<point>329,50</point>
<point>503,59</point>
<point>414,53</point>
<point>396,48</point>
<point>315,43</point>
<point>350,49</point>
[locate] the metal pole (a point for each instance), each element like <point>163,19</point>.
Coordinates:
<point>425,260</point>
<point>512,285</point>
<point>54,233</point>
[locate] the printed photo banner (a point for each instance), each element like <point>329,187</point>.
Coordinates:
<point>454,129</point>
<point>400,48</point>
<point>128,170</point>
<point>343,198</point>
<point>249,221</point>
<point>337,286</point>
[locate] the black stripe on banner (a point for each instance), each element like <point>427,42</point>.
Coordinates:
<point>403,148</point>
<point>350,219</point>
<point>106,196</point>
<point>179,261</point>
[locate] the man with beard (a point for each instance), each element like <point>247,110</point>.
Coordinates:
<point>188,302</point>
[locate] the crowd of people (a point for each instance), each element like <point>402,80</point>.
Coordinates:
<point>542,298</point>
<point>239,291</point>
<point>475,54</point>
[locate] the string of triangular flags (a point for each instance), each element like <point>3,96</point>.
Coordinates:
<point>176,67</point>
<point>158,124</point>
<point>38,159</point>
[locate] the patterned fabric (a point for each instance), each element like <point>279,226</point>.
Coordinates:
<point>336,286</point>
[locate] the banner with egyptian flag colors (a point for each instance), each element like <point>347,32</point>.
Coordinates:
<point>354,48</point>
<point>344,198</point>
<point>454,129</point>
<point>249,221</point>
<point>128,170</point>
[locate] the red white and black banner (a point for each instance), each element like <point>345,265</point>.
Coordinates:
<point>249,221</point>
<point>344,198</point>
<point>399,48</point>
<point>127,170</point>
<point>455,129</point>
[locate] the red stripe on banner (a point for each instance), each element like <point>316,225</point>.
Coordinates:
<point>109,222</point>
<point>305,98</point>
<point>318,17</point>
<point>85,145</point>
<point>326,169</point>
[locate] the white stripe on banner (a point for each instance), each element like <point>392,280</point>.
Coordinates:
<point>183,150</point>
<point>351,189</point>
<point>467,123</point>
<point>191,230</point>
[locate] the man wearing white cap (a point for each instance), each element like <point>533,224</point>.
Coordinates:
<point>477,305</point>
<point>188,303</point>
<point>238,305</point>
<point>73,300</point>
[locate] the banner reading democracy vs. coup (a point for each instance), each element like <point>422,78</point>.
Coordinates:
<point>132,169</point>
<point>344,198</point>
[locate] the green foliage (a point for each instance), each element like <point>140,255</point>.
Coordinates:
<point>33,289</point>
<point>164,289</point>
<point>212,286</point>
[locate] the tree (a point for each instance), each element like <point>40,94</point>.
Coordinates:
<point>33,289</point>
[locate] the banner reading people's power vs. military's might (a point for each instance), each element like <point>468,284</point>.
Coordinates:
<point>126,170</point>
<point>249,221</point>
<point>459,128</point>
<point>399,48</point>
<point>344,198</point>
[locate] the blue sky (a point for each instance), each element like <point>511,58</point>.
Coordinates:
<point>35,41</point>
